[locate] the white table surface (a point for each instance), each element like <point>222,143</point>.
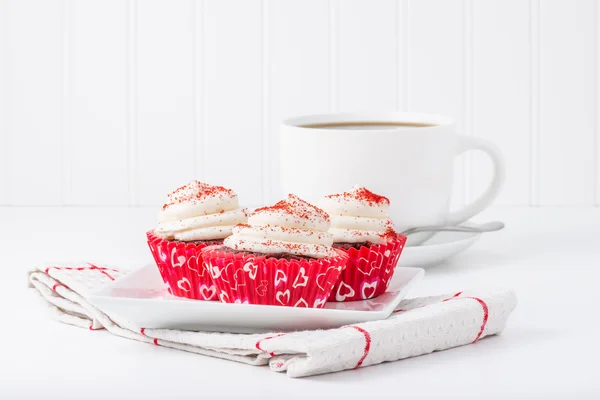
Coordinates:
<point>550,256</point>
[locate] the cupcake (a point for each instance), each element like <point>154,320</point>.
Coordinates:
<point>282,256</point>
<point>361,227</point>
<point>195,216</point>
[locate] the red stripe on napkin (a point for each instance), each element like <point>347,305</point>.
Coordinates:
<point>485,316</point>
<point>367,344</point>
<point>452,297</point>
<point>143,332</point>
<point>485,312</point>
<point>92,266</point>
<point>257,345</point>
<point>456,297</point>
<point>103,270</point>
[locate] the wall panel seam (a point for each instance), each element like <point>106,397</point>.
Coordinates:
<point>199,99</point>
<point>334,57</point>
<point>131,81</point>
<point>5,124</point>
<point>406,55</point>
<point>266,156</point>
<point>534,134</point>
<point>468,79</point>
<point>65,96</point>
<point>597,105</point>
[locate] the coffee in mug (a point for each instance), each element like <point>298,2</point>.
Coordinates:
<point>367,125</point>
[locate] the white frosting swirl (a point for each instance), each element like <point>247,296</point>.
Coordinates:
<point>291,226</point>
<point>358,216</point>
<point>199,211</point>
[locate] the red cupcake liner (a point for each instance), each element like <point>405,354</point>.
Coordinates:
<point>251,279</point>
<point>369,271</point>
<point>180,265</point>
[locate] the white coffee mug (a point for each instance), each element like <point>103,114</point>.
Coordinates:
<point>406,157</point>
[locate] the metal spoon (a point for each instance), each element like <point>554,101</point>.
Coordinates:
<point>487,227</point>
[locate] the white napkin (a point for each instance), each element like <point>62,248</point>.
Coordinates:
<point>418,326</point>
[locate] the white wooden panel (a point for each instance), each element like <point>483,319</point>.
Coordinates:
<point>132,150</point>
<point>165,133</point>
<point>367,51</point>
<point>567,102</point>
<point>597,110</point>
<point>98,102</point>
<point>501,71</point>
<point>4,166</point>
<point>232,97</point>
<point>299,70</point>
<point>34,80</point>
<point>402,48</point>
<point>534,134</point>
<point>436,82</point>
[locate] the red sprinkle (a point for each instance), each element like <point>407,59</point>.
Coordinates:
<point>269,227</point>
<point>389,234</point>
<point>290,247</point>
<point>196,191</point>
<point>295,207</point>
<point>363,194</point>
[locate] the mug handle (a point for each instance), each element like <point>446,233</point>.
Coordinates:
<point>467,143</point>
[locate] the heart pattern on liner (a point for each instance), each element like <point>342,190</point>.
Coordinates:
<point>222,273</point>
<point>370,265</point>
<point>368,289</point>
<point>208,292</point>
<point>194,266</point>
<point>369,271</point>
<point>181,268</point>
<point>283,297</point>
<point>162,254</point>
<point>273,281</point>
<point>184,284</point>
<point>238,279</point>
<point>301,278</point>
<point>280,277</point>
<point>251,269</point>
<point>321,280</point>
<point>343,291</point>
<point>320,303</point>
<point>215,271</point>
<point>301,303</point>
<point>224,297</point>
<point>262,288</point>
<point>177,261</point>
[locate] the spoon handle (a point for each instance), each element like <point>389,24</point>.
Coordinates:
<point>488,227</point>
<point>440,229</point>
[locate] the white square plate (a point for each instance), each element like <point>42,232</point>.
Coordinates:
<point>141,297</point>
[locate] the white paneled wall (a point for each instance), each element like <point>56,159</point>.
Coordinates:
<point>500,84</point>
<point>113,102</point>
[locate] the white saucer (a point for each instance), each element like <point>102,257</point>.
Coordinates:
<point>141,297</point>
<point>436,250</point>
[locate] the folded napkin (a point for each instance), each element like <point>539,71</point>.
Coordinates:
<point>418,326</point>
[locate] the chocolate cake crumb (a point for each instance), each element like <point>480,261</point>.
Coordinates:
<point>348,246</point>
<point>283,256</point>
<point>205,242</point>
